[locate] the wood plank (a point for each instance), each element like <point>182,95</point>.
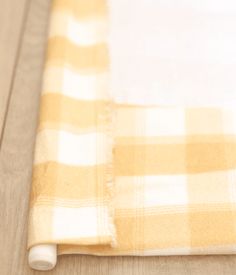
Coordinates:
<point>12,17</point>
<point>15,179</point>
<point>18,141</point>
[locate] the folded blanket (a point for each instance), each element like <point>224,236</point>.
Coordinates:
<point>136,143</point>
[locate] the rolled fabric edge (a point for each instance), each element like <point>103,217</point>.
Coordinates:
<point>43,257</point>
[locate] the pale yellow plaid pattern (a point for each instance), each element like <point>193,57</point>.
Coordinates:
<point>116,179</point>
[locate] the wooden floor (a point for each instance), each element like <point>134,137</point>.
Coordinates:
<point>23,27</point>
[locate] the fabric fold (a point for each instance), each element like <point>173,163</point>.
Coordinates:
<point>136,144</point>
<point>72,179</point>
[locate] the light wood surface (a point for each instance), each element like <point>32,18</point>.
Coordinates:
<point>23,26</point>
<point>10,38</point>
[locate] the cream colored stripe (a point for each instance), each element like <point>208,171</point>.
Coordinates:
<point>59,176</point>
<point>190,158</point>
<point>71,149</point>
<point>164,140</point>
<point>141,139</point>
<point>174,209</point>
<point>155,159</point>
<point>80,32</point>
<point>71,83</point>
<point>84,58</point>
<point>70,128</point>
<point>59,109</point>
<point>69,202</point>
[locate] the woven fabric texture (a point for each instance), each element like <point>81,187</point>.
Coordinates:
<point>118,178</point>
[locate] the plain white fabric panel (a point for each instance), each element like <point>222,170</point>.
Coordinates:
<point>173,52</point>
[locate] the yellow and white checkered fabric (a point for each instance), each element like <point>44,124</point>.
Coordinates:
<point>122,179</point>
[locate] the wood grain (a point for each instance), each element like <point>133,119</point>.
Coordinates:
<point>16,162</point>
<point>10,37</point>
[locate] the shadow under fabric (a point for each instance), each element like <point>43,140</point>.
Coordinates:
<point>136,144</point>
